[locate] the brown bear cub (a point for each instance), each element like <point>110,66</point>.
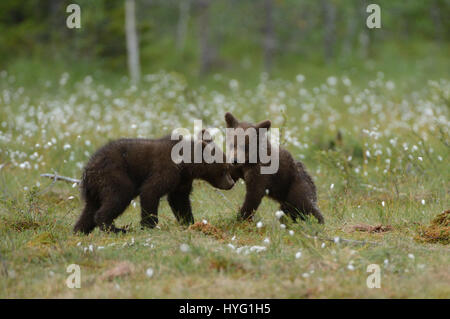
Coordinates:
<point>126,168</point>
<point>290,185</point>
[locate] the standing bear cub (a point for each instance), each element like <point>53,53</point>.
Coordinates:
<point>290,185</point>
<point>126,168</point>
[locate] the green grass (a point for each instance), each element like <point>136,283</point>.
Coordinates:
<point>388,166</point>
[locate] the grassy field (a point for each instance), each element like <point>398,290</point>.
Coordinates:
<point>378,150</point>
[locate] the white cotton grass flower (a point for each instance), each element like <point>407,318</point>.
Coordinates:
<point>279,214</point>
<point>423,201</point>
<point>204,221</point>
<point>323,245</point>
<point>411,256</point>
<point>266,240</point>
<point>298,255</point>
<point>350,267</point>
<point>184,248</point>
<point>390,85</point>
<point>282,226</point>
<point>149,272</point>
<point>332,81</point>
<point>331,186</point>
<point>291,232</point>
<point>231,246</point>
<point>337,240</point>
<point>382,203</point>
<point>300,78</point>
<point>347,99</point>
<point>259,224</point>
<point>258,248</point>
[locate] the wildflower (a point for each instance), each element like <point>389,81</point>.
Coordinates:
<point>347,99</point>
<point>291,232</point>
<point>282,226</point>
<point>149,272</point>
<point>279,214</point>
<point>350,267</point>
<point>258,248</point>
<point>184,248</point>
<point>411,256</point>
<point>204,221</point>
<point>390,85</point>
<point>300,78</point>
<point>332,81</point>
<point>298,255</point>
<point>423,201</point>
<point>259,224</point>
<point>267,240</point>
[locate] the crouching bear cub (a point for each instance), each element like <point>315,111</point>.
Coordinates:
<point>290,185</point>
<point>126,168</point>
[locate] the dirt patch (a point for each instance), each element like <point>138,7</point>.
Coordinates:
<point>208,230</point>
<point>220,263</point>
<point>121,269</point>
<point>438,231</point>
<point>369,228</point>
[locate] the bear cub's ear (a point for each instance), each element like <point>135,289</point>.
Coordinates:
<point>231,120</point>
<point>264,124</point>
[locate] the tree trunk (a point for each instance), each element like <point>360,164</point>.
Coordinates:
<point>352,22</point>
<point>269,35</point>
<point>132,41</point>
<point>364,38</point>
<point>435,13</point>
<point>206,50</point>
<point>329,12</point>
<point>182,26</point>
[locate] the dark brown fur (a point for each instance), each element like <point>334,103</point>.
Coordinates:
<point>291,185</point>
<point>126,168</point>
